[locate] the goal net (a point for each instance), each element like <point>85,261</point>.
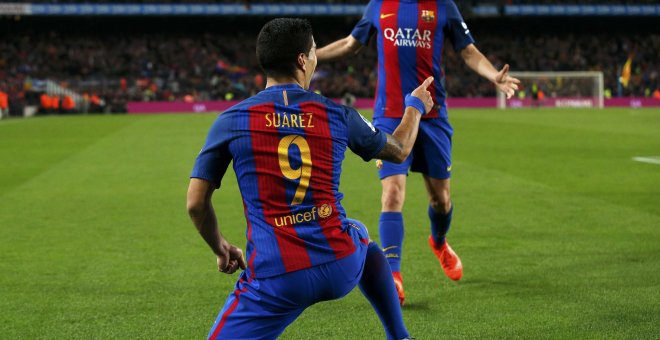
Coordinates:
<point>555,89</point>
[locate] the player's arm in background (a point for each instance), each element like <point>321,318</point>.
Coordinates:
<point>369,142</point>
<point>339,49</point>
<point>459,34</point>
<point>210,167</point>
<point>351,44</point>
<point>480,64</point>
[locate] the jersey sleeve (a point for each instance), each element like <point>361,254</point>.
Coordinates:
<point>364,139</point>
<point>366,27</point>
<point>456,29</point>
<point>212,162</point>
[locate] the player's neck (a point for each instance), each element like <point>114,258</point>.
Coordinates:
<point>273,81</point>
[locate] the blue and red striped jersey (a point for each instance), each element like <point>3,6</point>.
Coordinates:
<point>287,146</point>
<point>410,39</point>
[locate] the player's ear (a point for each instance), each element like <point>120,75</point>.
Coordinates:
<point>302,61</point>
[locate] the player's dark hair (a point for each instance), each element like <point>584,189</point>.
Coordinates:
<point>279,43</point>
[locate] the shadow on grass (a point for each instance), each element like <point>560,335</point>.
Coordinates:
<point>417,306</point>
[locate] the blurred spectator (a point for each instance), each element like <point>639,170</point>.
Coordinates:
<point>68,105</point>
<point>4,104</point>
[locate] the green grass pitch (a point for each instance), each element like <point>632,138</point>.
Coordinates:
<point>557,226</point>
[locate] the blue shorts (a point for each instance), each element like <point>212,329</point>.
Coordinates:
<point>431,154</point>
<point>263,308</point>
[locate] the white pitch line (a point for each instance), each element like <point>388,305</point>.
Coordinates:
<point>651,159</point>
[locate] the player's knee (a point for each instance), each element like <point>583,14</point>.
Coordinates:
<point>373,248</point>
<point>441,202</point>
<point>393,198</point>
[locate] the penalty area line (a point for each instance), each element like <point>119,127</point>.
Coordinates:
<point>650,159</point>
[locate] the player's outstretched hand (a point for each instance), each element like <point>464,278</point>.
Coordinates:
<point>506,83</point>
<point>231,260</point>
<point>422,93</point>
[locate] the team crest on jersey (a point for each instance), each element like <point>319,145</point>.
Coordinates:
<point>325,211</point>
<point>428,16</point>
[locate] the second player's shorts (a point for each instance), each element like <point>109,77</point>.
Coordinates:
<point>431,154</point>
<point>263,308</point>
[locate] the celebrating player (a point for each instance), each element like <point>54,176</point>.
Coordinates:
<point>287,145</point>
<point>410,37</point>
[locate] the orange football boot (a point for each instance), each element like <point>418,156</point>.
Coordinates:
<point>398,282</point>
<point>449,261</point>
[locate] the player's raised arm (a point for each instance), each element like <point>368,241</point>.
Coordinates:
<point>368,142</point>
<point>358,38</point>
<point>480,64</point>
<point>399,144</point>
<point>339,49</point>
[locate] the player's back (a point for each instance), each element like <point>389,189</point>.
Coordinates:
<point>287,145</point>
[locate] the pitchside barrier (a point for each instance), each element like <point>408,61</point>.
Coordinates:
<point>361,103</point>
<point>556,89</point>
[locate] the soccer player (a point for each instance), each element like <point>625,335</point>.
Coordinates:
<point>287,145</point>
<point>410,36</point>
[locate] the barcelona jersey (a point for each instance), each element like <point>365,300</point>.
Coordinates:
<point>287,145</point>
<point>410,43</point>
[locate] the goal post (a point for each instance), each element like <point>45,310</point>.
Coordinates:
<point>556,89</point>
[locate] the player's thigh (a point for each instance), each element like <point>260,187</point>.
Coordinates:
<point>263,308</point>
<point>334,279</point>
<point>340,277</point>
<point>360,235</point>
<point>358,231</point>
<point>432,150</point>
<point>251,313</point>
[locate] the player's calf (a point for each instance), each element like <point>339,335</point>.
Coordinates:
<point>378,287</point>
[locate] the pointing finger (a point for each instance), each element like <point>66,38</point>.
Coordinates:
<point>427,82</point>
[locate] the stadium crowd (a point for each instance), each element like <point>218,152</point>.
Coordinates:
<point>197,1</point>
<point>459,2</point>
<point>214,66</point>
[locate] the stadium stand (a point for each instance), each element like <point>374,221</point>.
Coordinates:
<point>123,59</point>
<point>460,2</point>
<point>196,1</point>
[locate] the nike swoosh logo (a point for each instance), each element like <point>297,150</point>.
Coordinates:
<point>388,248</point>
<point>383,16</point>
